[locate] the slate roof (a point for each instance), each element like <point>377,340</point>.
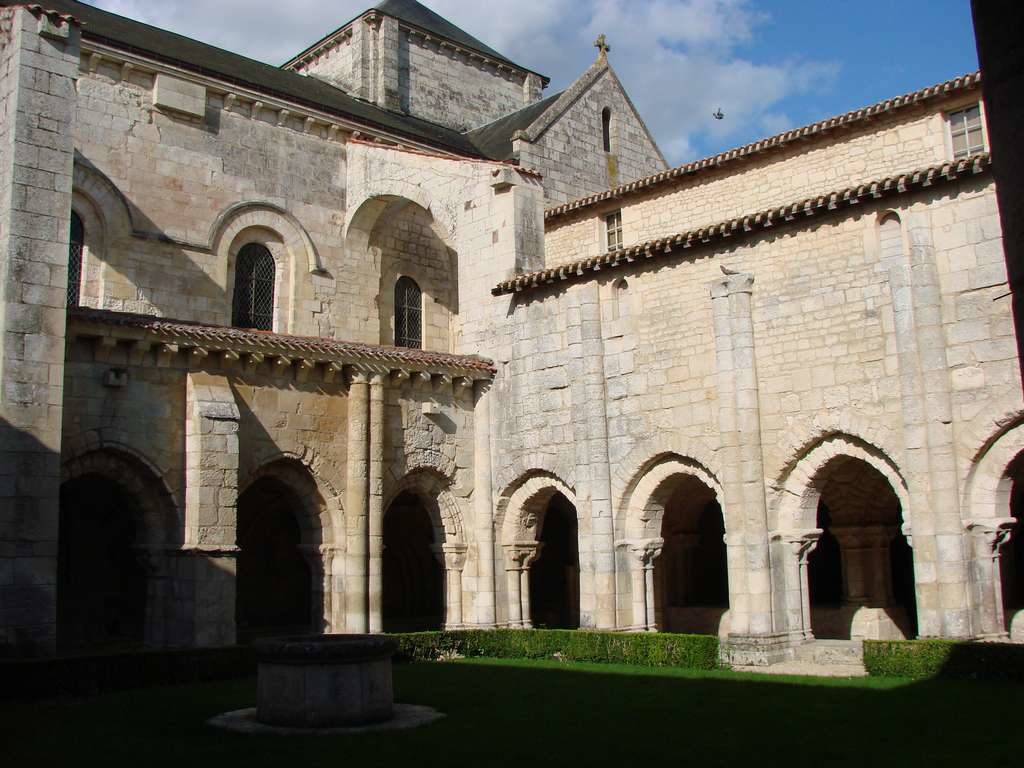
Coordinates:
<point>318,349</point>
<point>752,223</point>
<point>494,140</point>
<point>152,42</point>
<point>822,127</point>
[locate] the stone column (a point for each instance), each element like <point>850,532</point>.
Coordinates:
<point>207,574</point>
<point>356,505</point>
<point>987,539</point>
<point>739,422</point>
<point>376,502</point>
<point>643,553</point>
<point>335,562</point>
<point>518,558</point>
<point>589,415</point>
<point>793,548</point>
<point>453,558</point>
<point>39,61</point>
<point>319,615</point>
<point>483,509</point>
<point>940,571</point>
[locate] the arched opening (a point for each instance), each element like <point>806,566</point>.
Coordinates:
<point>606,129</point>
<point>860,574</point>
<point>101,584</point>
<point>274,583</point>
<point>1011,556</point>
<point>555,574</point>
<point>408,313</point>
<point>253,303</point>
<point>76,247</point>
<point>691,576</point>
<point>413,575</point>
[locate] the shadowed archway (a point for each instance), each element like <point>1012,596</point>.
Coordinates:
<point>413,576</point>
<point>555,574</point>
<point>101,583</point>
<point>274,579</point>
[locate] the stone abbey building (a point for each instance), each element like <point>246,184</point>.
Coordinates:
<point>387,338</point>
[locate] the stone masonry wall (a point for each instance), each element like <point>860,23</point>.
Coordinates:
<point>449,87</point>
<point>905,141</point>
<point>38,57</point>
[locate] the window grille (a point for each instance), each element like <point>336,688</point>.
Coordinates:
<point>613,225</point>
<point>966,131</point>
<point>253,305</point>
<point>408,314</point>
<point>75,248</point>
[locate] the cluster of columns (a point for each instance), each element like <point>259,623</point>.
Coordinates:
<point>364,507</point>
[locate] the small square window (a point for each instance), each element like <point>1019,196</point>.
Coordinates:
<point>613,227</point>
<point>966,132</point>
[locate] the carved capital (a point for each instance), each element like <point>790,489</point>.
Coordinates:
<point>988,536</point>
<point>730,283</point>
<point>451,556</point>
<point>521,554</point>
<point>799,543</point>
<point>643,551</point>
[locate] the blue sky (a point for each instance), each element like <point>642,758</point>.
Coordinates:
<point>770,66</point>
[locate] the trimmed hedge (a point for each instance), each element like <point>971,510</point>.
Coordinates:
<point>945,658</point>
<point>642,649</point>
<point>88,675</point>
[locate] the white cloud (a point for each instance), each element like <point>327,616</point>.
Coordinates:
<point>680,60</point>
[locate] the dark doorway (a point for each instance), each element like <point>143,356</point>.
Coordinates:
<point>825,565</point>
<point>691,575</point>
<point>413,598</point>
<point>1011,558</point>
<point>555,574</point>
<point>274,585</point>
<point>101,585</point>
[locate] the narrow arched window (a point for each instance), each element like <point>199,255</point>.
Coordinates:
<point>75,247</point>
<point>408,314</point>
<point>890,236</point>
<point>253,305</point>
<point>606,128</point>
<point>622,299</point>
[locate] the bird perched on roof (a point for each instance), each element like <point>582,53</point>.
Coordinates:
<point>727,271</point>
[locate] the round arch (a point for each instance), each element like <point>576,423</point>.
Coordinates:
<point>642,504</point>
<point>316,516</point>
<point>434,491</point>
<point>520,511</point>
<point>162,526</point>
<point>795,502</point>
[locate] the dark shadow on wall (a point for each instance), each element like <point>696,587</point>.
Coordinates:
<point>29,481</point>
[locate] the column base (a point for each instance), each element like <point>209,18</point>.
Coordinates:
<point>757,650</point>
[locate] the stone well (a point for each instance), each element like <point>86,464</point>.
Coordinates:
<point>323,681</point>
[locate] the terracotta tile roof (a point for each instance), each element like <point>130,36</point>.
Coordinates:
<point>957,84</point>
<point>750,224</point>
<point>268,343</point>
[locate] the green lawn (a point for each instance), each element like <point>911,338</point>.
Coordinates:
<point>524,714</point>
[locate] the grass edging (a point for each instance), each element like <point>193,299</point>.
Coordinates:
<point>642,649</point>
<point>944,658</point>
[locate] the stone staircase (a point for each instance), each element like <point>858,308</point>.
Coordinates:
<point>820,658</point>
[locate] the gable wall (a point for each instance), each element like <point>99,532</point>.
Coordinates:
<point>570,153</point>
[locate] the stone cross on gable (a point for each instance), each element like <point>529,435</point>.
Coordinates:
<point>602,45</point>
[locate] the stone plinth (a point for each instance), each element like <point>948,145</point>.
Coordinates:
<point>324,680</point>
